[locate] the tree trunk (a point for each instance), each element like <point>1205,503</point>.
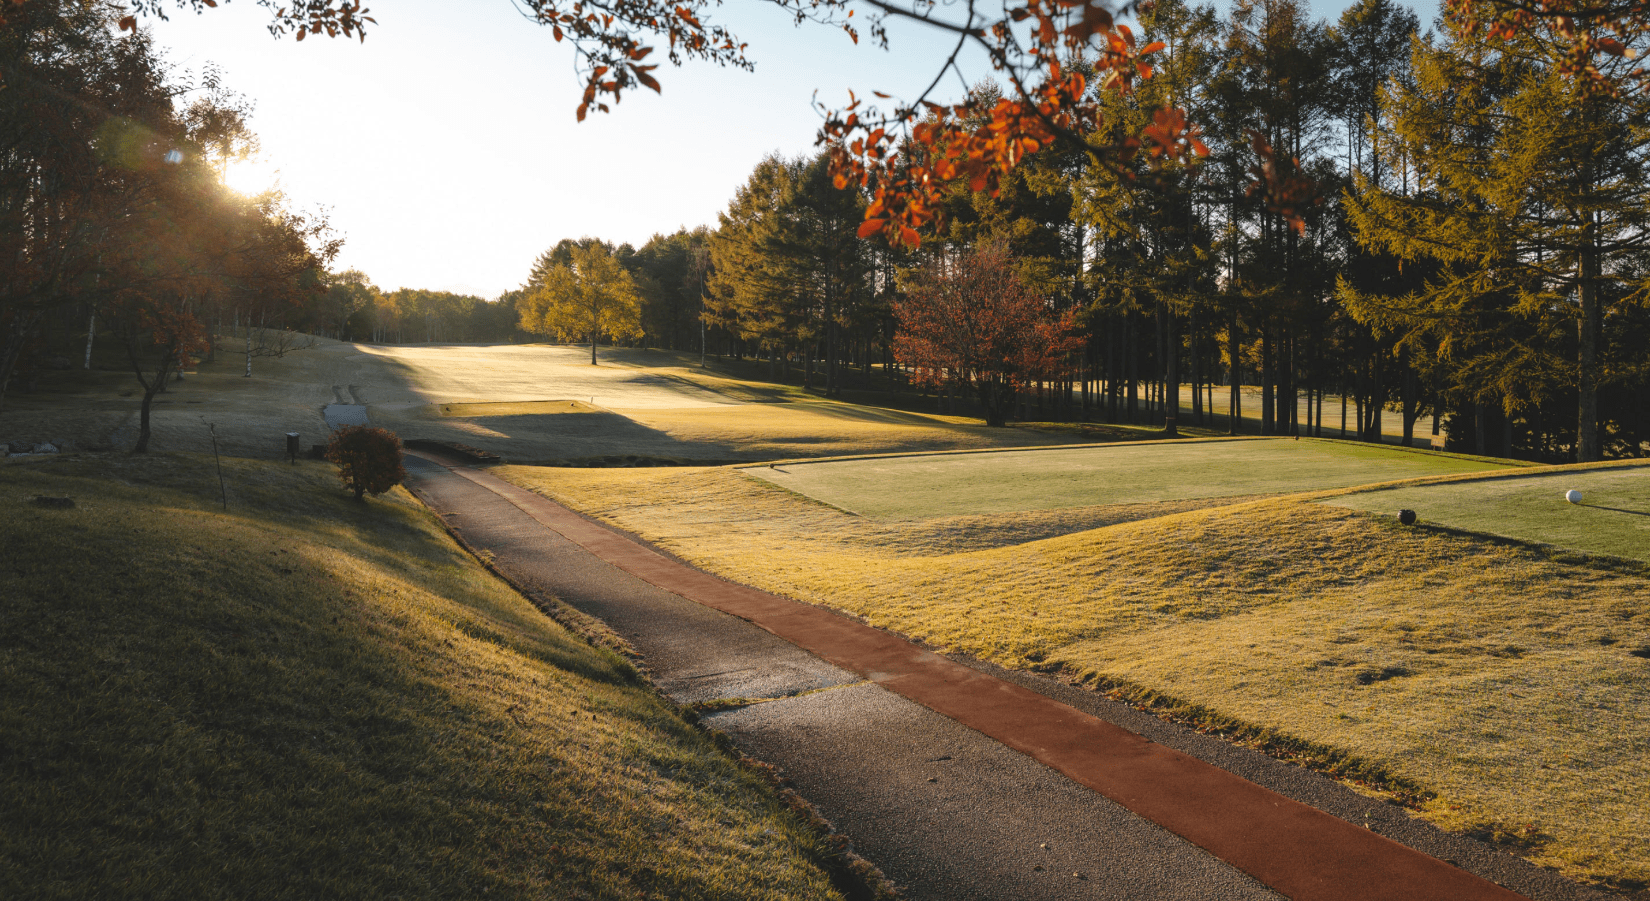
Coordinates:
<point>1132,377</point>
<point>1268,375</point>
<point>91,332</point>
<point>831,387</point>
<point>1171,379</point>
<point>21,329</point>
<point>593,347</point>
<point>1196,374</point>
<point>1377,397</point>
<point>1410,412</point>
<point>1234,375</point>
<point>1588,447</point>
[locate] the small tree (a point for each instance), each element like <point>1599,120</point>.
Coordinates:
<point>969,318</point>
<point>590,297</point>
<point>368,458</point>
<point>160,339</point>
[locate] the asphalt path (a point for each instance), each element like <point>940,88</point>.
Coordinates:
<point>980,803</point>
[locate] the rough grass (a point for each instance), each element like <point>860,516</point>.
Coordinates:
<point>918,487</point>
<point>1498,678</point>
<point>1613,517</point>
<point>305,697</point>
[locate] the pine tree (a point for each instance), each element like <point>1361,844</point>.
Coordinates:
<point>1533,205</point>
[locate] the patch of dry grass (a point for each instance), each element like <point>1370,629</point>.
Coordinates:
<point>306,697</point>
<point>1499,676</point>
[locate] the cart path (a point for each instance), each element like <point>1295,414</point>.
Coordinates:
<point>1291,847</point>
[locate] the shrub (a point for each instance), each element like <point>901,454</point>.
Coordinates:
<point>368,458</point>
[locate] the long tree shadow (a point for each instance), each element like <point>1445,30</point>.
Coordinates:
<point>1616,509</point>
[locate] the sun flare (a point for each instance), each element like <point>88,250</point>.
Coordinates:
<point>250,177</point>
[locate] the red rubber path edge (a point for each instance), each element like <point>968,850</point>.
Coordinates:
<point>1293,848</point>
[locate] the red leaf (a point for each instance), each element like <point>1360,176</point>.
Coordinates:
<point>871,226</point>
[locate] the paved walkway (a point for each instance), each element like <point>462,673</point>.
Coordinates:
<point>914,755</point>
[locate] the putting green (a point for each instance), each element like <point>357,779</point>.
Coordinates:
<point>1613,516</point>
<point>918,487</point>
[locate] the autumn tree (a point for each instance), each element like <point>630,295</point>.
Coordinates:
<point>159,338</point>
<point>588,297</point>
<point>967,317</point>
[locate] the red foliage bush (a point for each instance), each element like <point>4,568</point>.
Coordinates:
<point>368,458</point>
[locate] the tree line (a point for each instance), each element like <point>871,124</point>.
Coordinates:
<point>1470,253</point>
<point>117,225</point>
<point>119,231</point>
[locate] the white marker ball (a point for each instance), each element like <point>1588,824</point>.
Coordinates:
<point>1573,496</point>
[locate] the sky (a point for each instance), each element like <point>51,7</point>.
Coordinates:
<point>446,151</point>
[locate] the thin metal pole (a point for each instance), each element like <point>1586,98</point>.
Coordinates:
<point>223,492</point>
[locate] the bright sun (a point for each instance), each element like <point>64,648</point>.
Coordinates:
<point>251,177</point>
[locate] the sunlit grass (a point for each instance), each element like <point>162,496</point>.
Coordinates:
<point>517,408</point>
<point>1612,518</point>
<point>1496,676</point>
<point>305,697</point>
<point>913,487</point>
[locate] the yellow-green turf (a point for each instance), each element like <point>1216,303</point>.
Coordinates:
<point>919,487</point>
<point>308,697</point>
<point>1497,684</point>
<point>1613,517</point>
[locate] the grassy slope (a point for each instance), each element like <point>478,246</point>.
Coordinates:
<point>912,487</point>
<point>304,697</point>
<point>1613,517</point>
<point>1496,675</point>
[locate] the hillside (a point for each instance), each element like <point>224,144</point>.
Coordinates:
<point>304,697</point>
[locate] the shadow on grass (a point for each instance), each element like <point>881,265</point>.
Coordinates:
<point>1615,509</point>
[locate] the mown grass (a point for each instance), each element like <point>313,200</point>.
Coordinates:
<point>917,487</point>
<point>1613,517</point>
<point>305,697</point>
<point>1491,682</point>
<point>814,427</point>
